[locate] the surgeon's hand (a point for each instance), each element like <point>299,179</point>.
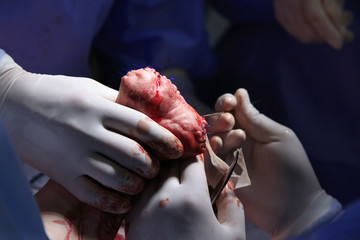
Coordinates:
<point>315,20</point>
<point>285,197</point>
<point>177,206</point>
<point>71,129</point>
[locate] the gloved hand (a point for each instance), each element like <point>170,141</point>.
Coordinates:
<point>72,130</point>
<point>177,206</point>
<point>285,197</point>
<point>224,138</point>
<point>315,20</point>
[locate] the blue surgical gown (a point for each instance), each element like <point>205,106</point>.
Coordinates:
<point>345,227</point>
<point>19,214</point>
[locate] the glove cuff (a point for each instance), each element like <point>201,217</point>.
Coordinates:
<point>320,211</point>
<point>7,79</point>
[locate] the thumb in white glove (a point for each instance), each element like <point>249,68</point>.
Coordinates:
<point>285,197</point>
<point>72,130</point>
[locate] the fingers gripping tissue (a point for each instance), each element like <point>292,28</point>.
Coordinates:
<point>151,93</point>
<point>155,95</point>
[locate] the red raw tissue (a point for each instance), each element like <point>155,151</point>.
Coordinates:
<point>155,95</point>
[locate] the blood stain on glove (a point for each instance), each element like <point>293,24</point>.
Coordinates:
<point>163,202</point>
<point>151,93</point>
<point>143,128</point>
<point>228,196</point>
<point>155,166</point>
<point>67,225</point>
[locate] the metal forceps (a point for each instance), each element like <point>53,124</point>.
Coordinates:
<point>224,180</point>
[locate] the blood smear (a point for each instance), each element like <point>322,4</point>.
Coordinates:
<point>163,202</point>
<point>67,226</point>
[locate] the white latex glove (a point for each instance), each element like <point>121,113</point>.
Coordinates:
<point>178,207</point>
<point>72,130</point>
<point>315,20</point>
<point>285,197</point>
